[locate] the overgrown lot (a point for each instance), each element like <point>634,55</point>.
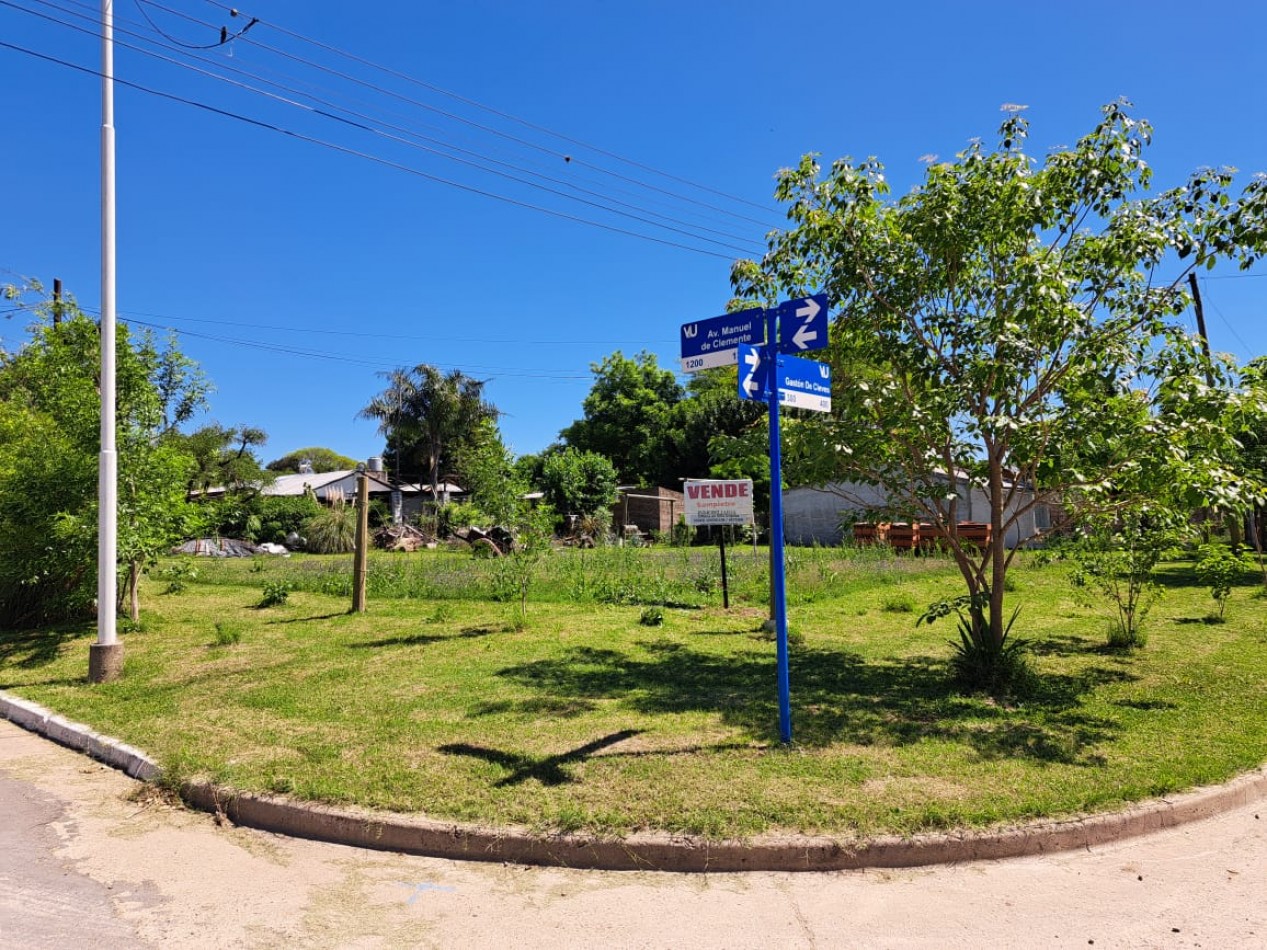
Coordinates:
<point>591,715</point>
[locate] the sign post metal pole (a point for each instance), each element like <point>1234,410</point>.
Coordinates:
<point>778,582</point>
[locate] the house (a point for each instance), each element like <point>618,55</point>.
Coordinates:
<point>405,500</point>
<point>650,509</point>
<point>818,515</point>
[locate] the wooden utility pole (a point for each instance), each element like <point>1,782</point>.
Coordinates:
<point>57,301</point>
<point>1205,339</point>
<point>1230,518</point>
<point>362,540</point>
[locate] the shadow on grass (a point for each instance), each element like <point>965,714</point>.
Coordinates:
<point>1063,644</point>
<point>423,639</point>
<point>1146,705</point>
<point>545,706</point>
<point>837,697</point>
<point>270,623</point>
<point>55,681</point>
<point>548,770</point>
<point>29,649</point>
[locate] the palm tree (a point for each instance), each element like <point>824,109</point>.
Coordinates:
<point>424,411</point>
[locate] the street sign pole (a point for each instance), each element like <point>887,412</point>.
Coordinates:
<point>778,582</point>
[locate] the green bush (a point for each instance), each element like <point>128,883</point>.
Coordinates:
<point>262,517</point>
<point>898,602</point>
<point>276,593</point>
<point>332,530</point>
<point>228,633</point>
<point>1219,568</point>
<point>651,617</point>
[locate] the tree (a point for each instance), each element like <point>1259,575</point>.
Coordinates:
<point>322,460</point>
<point>578,483</point>
<point>425,415</point>
<point>627,417</point>
<point>225,457</point>
<point>49,443</point>
<point>485,469</point>
<point>988,314</point>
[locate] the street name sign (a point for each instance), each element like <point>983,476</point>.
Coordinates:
<point>803,324</point>
<point>802,384</point>
<point>715,342</point>
<point>718,501</point>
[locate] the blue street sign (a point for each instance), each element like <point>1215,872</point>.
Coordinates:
<point>715,342</point>
<point>802,384</point>
<point>803,324</point>
<point>754,371</point>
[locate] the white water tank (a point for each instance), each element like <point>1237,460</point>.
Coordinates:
<point>375,463</point>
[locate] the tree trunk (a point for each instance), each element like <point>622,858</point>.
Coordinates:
<point>134,595</point>
<point>998,551</point>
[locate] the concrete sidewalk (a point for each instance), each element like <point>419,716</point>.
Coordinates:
<point>91,855</point>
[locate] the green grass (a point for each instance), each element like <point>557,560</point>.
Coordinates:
<point>582,718</point>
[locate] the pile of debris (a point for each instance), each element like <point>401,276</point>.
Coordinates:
<point>495,541</point>
<point>402,537</point>
<point>218,547</point>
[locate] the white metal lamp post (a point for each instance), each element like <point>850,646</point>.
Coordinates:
<point>105,657</point>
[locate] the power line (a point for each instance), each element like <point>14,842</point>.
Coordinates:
<point>1245,347</point>
<point>429,338</point>
<point>471,122</point>
<point>490,109</point>
<point>360,154</point>
<point>688,229</point>
<point>362,361</point>
<point>225,36</point>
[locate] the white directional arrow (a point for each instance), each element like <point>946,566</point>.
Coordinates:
<point>753,360</point>
<point>804,335</point>
<point>804,324</point>
<point>808,309</point>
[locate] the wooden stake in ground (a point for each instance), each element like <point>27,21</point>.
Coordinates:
<point>362,539</point>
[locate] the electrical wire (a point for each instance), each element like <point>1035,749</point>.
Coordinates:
<point>360,154</point>
<point>1245,347</point>
<point>462,119</point>
<point>492,110</point>
<point>688,229</point>
<point>499,371</point>
<point>225,36</point>
<point>429,338</point>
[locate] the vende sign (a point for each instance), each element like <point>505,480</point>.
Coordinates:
<point>719,501</point>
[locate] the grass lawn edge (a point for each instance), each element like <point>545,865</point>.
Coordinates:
<point>413,834</point>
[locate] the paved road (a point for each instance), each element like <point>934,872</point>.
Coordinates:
<point>87,856</point>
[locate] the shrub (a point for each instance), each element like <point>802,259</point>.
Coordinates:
<point>899,602</point>
<point>227,633</point>
<point>651,617</point>
<point>276,593</point>
<point>1218,568</point>
<point>332,530</point>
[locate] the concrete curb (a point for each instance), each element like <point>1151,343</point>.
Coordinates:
<point>658,852</point>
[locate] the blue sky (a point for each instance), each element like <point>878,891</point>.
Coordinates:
<point>295,272</point>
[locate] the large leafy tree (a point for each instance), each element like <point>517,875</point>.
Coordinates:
<point>627,416</point>
<point>426,415</point>
<point>49,445</point>
<point>998,308</point>
<point>226,457</point>
<point>321,459</point>
<point>578,483</point>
